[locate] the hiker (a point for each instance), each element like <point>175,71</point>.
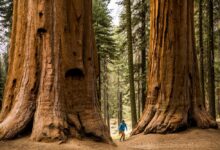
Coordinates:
<point>121,129</point>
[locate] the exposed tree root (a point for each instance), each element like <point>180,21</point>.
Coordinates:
<point>163,122</point>
<point>54,130</point>
<point>173,120</point>
<point>203,119</point>
<point>16,120</point>
<point>50,129</point>
<point>149,113</point>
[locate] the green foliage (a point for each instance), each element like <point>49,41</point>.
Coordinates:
<point>137,39</point>
<point>6,7</point>
<point>216,21</point>
<point>103,30</point>
<point>2,76</point>
<point>107,50</point>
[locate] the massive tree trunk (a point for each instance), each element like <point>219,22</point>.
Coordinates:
<point>130,64</point>
<point>52,72</point>
<point>174,97</point>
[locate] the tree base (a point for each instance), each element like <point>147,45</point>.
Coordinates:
<point>53,124</point>
<point>174,120</point>
<point>51,130</point>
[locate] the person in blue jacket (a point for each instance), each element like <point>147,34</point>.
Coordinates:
<point>121,129</point>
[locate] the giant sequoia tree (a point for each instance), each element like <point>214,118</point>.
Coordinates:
<point>174,98</point>
<point>52,72</point>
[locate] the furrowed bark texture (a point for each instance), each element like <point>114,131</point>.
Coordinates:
<point>174,97</point>
<point>52,72</point>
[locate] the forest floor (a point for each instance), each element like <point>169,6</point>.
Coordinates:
<point>194,139</point>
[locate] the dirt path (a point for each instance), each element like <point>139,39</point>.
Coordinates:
<point>194,139</point>
<point>191,139</point>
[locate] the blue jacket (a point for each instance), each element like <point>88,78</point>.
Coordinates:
<point>122,127</point>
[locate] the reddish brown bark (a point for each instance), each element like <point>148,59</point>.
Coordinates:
<point>174,99</point>
<point>52,72</point>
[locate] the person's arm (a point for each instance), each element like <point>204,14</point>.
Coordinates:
<point>126,127</point>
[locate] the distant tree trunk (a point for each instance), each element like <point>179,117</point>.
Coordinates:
<point>139,89</point>
<point>218,89</point>
<point>210,61</point>
<point>143,53</point>
<point>201,48</point>
<point>1,82</point>
<point>120,108</point>
<point>138,96</point>
<point>5,57</point>
<point>119,100</point>
<point>99,82</point>
<point>106,95</point>
<point>107,119</point>
<point>218,100</point>
<point>52,73</point>
<point>105,91</point>
<point>130,64</point>
<point>174,97</point>
<point>108,115</point>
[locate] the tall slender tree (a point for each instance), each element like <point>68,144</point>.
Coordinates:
<point>1,80</point>
<point>120,108</point>
<point>143,52</point>
<point>201,50</point>
<point>105,43</point>
<point>106,95</point>
<point>119,94</point>
<point>174,97</point>
<point>52,72</point>
<point>210,61</point>
<point>130,63</point>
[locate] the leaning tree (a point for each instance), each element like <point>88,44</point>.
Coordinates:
<point>174,99</point>
<point>51,81</point>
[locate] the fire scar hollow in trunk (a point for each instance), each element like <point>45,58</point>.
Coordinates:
<point>174,99</point>
<point>52,72</point>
